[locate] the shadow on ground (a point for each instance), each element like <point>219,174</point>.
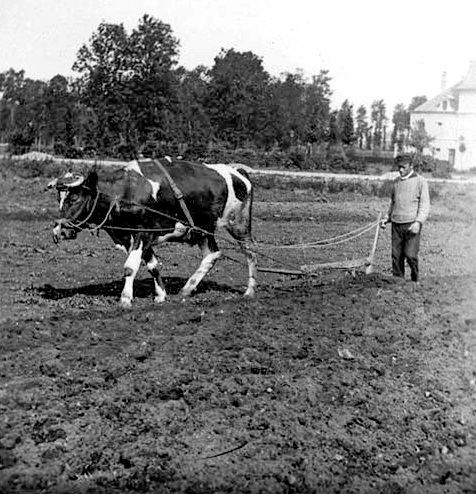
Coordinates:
<point>142,289</point>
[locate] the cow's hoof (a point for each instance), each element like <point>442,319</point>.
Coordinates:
<point>250,293</point>
<point>159,299</point>
<point>126,303</point>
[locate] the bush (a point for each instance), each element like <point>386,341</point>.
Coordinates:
<point>247,156</point>
<point>43,168</point>
<point>73,153</point>
<point>21,141</point>
<point>297,159</point>
<point>428,164</point>
<point>195,151</point>
<point>273,159</point>
<point>152,149</point>
<point>59,148</point>
<point>126,152</point>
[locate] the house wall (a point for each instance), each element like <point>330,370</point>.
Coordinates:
<point>467,101</point>
<point>451,131</point>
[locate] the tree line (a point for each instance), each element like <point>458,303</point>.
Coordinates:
<point>131,97</point>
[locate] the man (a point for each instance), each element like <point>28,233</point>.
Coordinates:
<point>409,208</point>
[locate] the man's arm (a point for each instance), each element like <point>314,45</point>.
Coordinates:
<point>424,203</point>
<point>423,207</point>
<point>386,219</point>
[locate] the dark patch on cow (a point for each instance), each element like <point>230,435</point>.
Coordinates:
<point>244,172</point>
<point>239,187</point>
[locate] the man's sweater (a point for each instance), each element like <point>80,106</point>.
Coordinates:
<point>410,200</point>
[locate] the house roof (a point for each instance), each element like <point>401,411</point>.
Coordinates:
<point>468,83</point>
<point>434,104</point>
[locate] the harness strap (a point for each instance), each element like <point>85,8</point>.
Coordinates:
<point>176,191</point>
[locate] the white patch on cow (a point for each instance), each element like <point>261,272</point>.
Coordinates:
<point>62,197</point>
<point>133,166</point>
<point>155,188</point>
<point>121,248</point>
<point>205,266</point>
<point>131,267</point>
<point>252,269</point>
<point>232,202</point>
<point>179,231</point>
<point>168,158</point>
<point>160,293</point>
<point>57,231</point>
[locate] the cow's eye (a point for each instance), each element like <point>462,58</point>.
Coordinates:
<point>73,196</point>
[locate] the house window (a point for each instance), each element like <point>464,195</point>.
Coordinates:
<point>445,105</point>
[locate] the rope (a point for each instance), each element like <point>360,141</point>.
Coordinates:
<point>145,230</point>
<point>269,258</point>
<point>78,226</point>
<point>338,239</point>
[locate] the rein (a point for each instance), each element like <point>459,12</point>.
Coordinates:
<point>79,226</point>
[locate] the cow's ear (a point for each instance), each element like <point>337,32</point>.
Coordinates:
<point>91,180</point>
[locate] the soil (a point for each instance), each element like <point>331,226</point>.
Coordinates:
<point>342,382</point>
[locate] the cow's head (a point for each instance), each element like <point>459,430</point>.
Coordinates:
<point>76,197</point>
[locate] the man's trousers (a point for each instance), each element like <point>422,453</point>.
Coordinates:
<point>405,245</point>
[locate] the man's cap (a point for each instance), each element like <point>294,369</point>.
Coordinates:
<point>403,159</point>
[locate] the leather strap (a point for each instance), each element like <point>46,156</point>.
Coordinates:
<point>176,191</point>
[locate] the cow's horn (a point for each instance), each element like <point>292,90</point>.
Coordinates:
<point>76,181</point>
<point>52,184</point>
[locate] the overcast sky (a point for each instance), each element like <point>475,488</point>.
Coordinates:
<point>373,49</point>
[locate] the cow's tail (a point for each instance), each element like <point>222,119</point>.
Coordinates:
<point>244,172</point>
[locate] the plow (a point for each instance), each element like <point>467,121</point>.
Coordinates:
<point>365,264</point>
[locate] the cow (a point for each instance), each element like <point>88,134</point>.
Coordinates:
<point>149,202</point>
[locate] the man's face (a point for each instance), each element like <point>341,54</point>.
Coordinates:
<point>404,169</point>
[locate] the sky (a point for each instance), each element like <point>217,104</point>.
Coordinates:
<point>372,49</point>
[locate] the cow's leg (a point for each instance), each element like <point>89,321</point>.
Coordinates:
<point>131,267</point>
<point>252,267</point>
<point>210,255</point>
<point>240,229</point>
<point>154,269</point>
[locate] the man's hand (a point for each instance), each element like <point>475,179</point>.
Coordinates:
<point>383,223</point>
<point>415,227</point>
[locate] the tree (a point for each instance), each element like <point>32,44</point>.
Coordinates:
<point>362,128</point>
<point>419,137</point>
<point>288,107</point>
<point>345,123</point>
<point>12,85</point>
<point>378,118</point>
<point>57,116</point>
<point>239,97</point>
<point>128,81</point>
<point>334,135</point>
<point>100,65</point>
<point>149,81</point>
<point>317,108</point>
<point>192,122</point>
<point>22,104</point>
<point>416,102</point>
<point>401,125</point>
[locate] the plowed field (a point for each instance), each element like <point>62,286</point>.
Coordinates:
<point>339,383</point>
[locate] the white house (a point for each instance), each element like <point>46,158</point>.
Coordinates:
<point>450,118</point>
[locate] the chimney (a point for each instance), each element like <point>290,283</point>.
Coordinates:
<point>443,81</point>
